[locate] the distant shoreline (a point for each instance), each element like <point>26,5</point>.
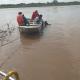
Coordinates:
<point>22,5</point>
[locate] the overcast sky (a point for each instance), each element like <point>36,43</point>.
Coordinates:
<point>29,1</point>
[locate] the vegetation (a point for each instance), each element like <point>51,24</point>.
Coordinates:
<point>54,3</point>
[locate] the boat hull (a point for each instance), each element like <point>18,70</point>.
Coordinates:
<point>31,28</point>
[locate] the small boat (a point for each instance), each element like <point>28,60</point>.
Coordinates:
<point>33,27</point>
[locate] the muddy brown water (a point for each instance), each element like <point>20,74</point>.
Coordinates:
<point>52,55</point>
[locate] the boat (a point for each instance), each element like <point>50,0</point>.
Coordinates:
<point>33,27</point>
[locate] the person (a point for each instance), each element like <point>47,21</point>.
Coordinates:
<point>39,19</point>
<point>26,22</point>
<point>20,19</point>
<point>34,15</point>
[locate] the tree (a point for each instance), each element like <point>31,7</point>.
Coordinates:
<point>55,1</point>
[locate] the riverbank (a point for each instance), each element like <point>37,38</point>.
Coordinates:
<point>38,4</point>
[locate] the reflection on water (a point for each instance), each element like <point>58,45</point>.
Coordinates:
<point>30,38</point>
<point>52,55</point>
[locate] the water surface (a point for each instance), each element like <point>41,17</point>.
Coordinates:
<point>53,55</point>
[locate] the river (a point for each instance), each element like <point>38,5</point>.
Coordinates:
<point>53,55</point>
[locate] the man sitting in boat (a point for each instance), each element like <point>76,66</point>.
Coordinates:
<point>39,20</point>
<point>22,20</point>
<point>26,22</point>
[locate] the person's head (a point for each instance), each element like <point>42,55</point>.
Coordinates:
<point>19,13</point>
<point>40,16</point>
<point>36,11</point>
<point>23,15</point>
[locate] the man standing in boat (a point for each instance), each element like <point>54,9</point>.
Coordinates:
<point>34,15</point>
<point>20,19</point>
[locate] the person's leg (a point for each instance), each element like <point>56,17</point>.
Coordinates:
<point>46,23</point>
<point>27,22</point>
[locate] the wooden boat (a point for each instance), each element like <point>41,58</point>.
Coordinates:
<point>32,28</point>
